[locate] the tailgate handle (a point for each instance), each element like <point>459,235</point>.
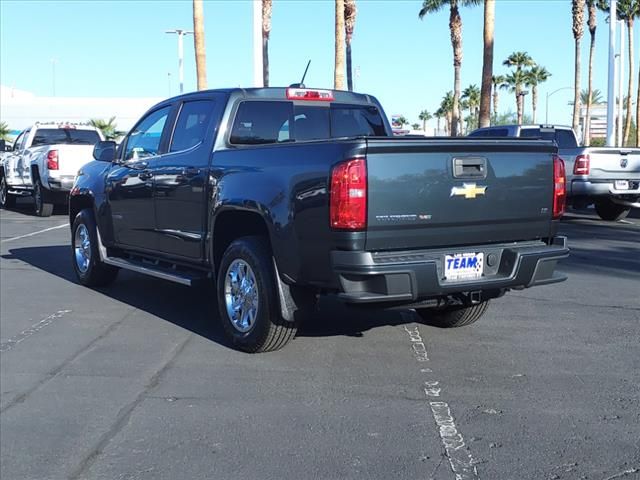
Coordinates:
<point>470,167</point>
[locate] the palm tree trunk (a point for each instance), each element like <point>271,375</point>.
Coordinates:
<point>627,123</point>
<point>349,71</point>
<point>495,102</point>
<point>266,30</point>
<point>424,126</point>
<point>487,64</point>
<point>438,120</point>
<point>338,74</point>
<point>534,101</point>
<point>518,106</point>
<point>592,51</point>
<point>198,44</point>
<point>576,93</point>
<point>455,26</point>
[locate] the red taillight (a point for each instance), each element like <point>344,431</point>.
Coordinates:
<point>348,204</point>
<point>559,187</point>
<point>313,95</point>
<point>581,165</point>
<point>52,160</point>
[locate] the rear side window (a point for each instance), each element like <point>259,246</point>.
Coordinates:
<point>64,136</point>
<point>563,138</point>
<point>191,127</point>
<point>356,120</point>
<point>259,123</point>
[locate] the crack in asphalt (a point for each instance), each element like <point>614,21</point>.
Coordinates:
<point>123,416</point>
<point>56,371</point>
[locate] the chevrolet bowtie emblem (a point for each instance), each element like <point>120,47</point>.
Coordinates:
<point>469,190</point>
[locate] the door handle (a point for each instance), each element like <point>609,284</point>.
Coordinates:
<point>190,171</point>
<point>145,175</point>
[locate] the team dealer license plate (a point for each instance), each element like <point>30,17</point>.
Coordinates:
<point>463,266</point>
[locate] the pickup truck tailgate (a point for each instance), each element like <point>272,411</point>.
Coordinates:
<point>432,193</point>
<point>614,163</point>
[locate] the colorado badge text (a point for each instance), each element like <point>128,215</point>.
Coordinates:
<point>468,190</point>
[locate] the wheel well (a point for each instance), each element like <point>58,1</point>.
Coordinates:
<point>35,174</point>
<point>76,204</point>
<point>232,225</point>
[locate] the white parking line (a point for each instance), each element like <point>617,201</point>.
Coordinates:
<point>33,233</point>
<point>457,452</point>
<point>33,329</point>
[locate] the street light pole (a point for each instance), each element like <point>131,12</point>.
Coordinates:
<point>181,33</point>
<point>620,88</point>
<point>546,116</point>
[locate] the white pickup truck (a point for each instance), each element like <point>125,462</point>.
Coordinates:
<point>43,163</point>
<point>607,177</point>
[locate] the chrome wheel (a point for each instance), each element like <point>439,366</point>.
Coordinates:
<point>241,295</point>
<point>82,248</point>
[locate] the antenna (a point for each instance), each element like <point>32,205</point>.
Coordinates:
<point>301,84</point>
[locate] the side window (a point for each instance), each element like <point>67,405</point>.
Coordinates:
<point>259,123</point>
<point>17,145</point>
<point>192,124</point>
<point>565,139</point>
<point>144,140</point>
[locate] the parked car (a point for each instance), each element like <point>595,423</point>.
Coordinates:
<point>608,177</point>
<point>280,195</point>
<point>43,163</point>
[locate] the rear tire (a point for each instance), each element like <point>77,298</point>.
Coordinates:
<point>453,316</point>
<point>608,210</point>
<point>6,199</point>
<point>248,300</point>
<point>85,257</point>
<point>42,200</point>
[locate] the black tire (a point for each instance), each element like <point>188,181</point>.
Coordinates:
<point>42,200</point>
<point>6,199</point>
<point>267,331</point>
<point>454,316</point>
<point>607,210</point>
<point>96,274</point>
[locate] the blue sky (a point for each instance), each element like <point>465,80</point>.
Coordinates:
<point>119,48</point>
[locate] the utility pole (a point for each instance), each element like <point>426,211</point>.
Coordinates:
<point>257,44</point>
<point>181,33</point>
<point>611,92</point>
<point>53,75</point>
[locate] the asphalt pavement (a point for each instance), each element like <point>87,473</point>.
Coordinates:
<point>134,381</point>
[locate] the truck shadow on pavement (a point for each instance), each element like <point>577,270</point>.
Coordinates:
<point>195,308</point>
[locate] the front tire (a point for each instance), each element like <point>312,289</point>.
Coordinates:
<point>453,316</point>
<point>42,200</point>
<point>608,210</point>
<point>248,301</point>
<point>90,271</point>
<point>6,199</point>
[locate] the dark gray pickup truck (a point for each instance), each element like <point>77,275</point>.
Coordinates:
<point>280,195</point>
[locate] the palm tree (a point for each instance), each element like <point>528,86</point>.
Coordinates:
<point>487,64</point>
<point>108,128</point>
<point>535,76</point>
<point>350,12</point>
<point>596,97</point>
<point>447,108</point>
<point>628,10</point>
<point>338,73</point>
<point>498,83</point>
<point>516,79</point>
<point>472,95</point>
<point>455,27</point>
<point>415,126</point>
<point>402,121</point>
<point>425,116</point>
<point>267,5</point>
<point>438,114</point>
<point>198,44</point>
<point>577,12</point>
<point>514,82</point>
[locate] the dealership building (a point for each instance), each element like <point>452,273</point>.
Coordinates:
<point>20,109</point>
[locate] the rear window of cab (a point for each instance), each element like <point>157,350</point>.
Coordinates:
<point>270,122</point>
